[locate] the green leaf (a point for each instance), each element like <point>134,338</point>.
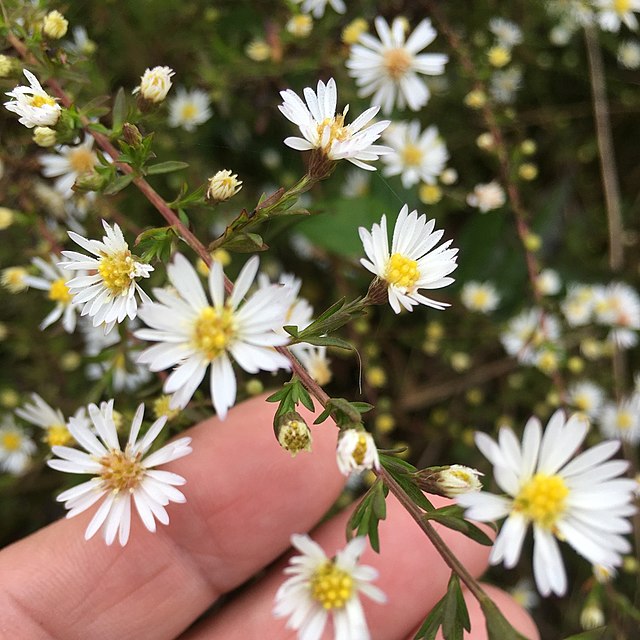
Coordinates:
<point>432,622</point>
<point>118,184</point>
<point>498,627</point>
<point>593,634</point>
<point>325,341</point>
<point>367,515</point>
<point>402,477</point>
<point>245,243</point>
<point>119,113</point>
<point>165,167</point>
<point>452,517</point>
<point>455,615</point>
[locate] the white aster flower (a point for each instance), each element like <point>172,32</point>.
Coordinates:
<point>613,13</point>
<point>480,296</point>
<point>299,26</point>
<point>41,414</point>
<point>317,7</point>
<point>508,33</point>
<point>388,68</point>
<point>356,184</point>
<point>68,163</point>
<point>16,448</point>
<point>320,586</point>
<point>325,131</point>
<point>53,280</point>
<point>629,54</point>
<point>155,84</point>
<point>548,282</point>
<point>577,307</point>
<point>33,104</point>
<point>417,156</point>
<point>621,420</point>
<point>529,334</point>
<point>109,295</point>
<point>188,109</point>
<point>583,501</point>
<point>193,334</point>
<point>356,451</point>
<point>121,475</point>
<point>618,306</point>
<point>504,85</point>
<point>586,397</point>
<point>524,593</point>
<point>314,360</point>
<point>414,261</point>
<point>487,197</point>
<point>81,43</point>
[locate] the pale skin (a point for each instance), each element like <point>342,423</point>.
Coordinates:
<point>245,497</point>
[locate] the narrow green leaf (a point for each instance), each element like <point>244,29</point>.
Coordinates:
<point>166,167</point>
<point>451,627</point>
<point>432,623</point>
<point>119,114</point>
<point>305,399</point>
<point>245,243</point>
<point>118,184</point>
<point>291,329</point>
<point>594,634</point>
<point>498,627</point>
<point>326,341</point>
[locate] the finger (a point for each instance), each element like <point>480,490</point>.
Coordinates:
<point>412,574</point>
<point>512,611</point>
<point>244,497</point>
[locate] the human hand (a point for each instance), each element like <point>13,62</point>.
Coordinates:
<point>245,497</point>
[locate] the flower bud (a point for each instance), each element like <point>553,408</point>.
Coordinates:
<point>131,134</point>
<point>6,66</point>
<point>7,217</point>
<point>44,136</point>
<point>89,181</point>
<point>592,616</point>
<point>449,481</point>
<point>154,86</point>
<point>54,25</point>
<point>222,186</point>
<point>292,433</point>
<point>356,451</point>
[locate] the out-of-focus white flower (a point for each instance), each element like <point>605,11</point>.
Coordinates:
<point>315,361</point>
<point>322,129</point>
<point>583,501</point>
<point>618,305</point>
<point>356,184</point>
<point>505,84</point>
<point>41,414</point>
<point>529,333</point>
<point>612,14</point>
<point>81,43</point>
<point>107,296</point>
<point>16,448</point>
<point>621,420</point>
<point>68,163</point>
<point>577,307</point>
<point>480,296</point>
<point>320,586</point>
<point>15,279</point>
<point>188,109</point>
<point>121,475</point>
<point>548,282</point>
<point>33,104</point>
<point>586,397</point>
<point>416,155</point>
<point>487,197</point>
<point>507,33</point>
<point>299,26</point>
<point>356,452</point>
<point>155,84</point>
<point>317,7</point>
<point>194,334</point>
<point>629,54</point>
<point>414,261</point>
<point>524,593</point>
<point>387,68</point>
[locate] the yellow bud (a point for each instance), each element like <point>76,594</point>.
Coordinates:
<point>528,171</point>
<point>385,423</point>
<point>352,32</point>
<point>499,56</point>
<point>532,242</point>
<point>475,99</point>
<point>44,136</point>
<point>7,217</point>
<point>430,193</point>
<point>54,25</point>
<point>528,147</point>
<point>575,364</point>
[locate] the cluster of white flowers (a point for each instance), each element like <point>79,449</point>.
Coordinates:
<point>531,334</point>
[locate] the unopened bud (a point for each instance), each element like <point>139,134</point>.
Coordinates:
<point>44,136</point>
<point>592,616</point>
<point>378,292</point>
<point>7,66</point>
<point>222,186</point>
<point>55,25</point>
<point>153,88</point>
<point>131,134</point>
<point>292,433</point>
<point>89,181</point>
<point>449,481</point>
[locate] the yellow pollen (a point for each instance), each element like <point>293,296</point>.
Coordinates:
<point>121,471</point>
<point>57,435</point>
<point>412,155</point>
<point>331,587</point>
<point>360,450</point>
<point>82,160</point>
<point>624,420</point>
<point>117,271</point>
<point>59,291</point>
<point>337,130</point>
<point>213,331</point>
<point>189,110</point>
<point>402,271</point>
<point>11,441</point>
<point>39,101</point>
<point>621,6</point>
<point>397,62</point>
<point>542,500</point>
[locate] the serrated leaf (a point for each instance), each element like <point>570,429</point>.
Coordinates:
<point>166,167</point>
<point>119,113</point>
<point>118,184</point>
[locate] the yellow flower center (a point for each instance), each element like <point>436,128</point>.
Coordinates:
<point>189,110</point>
<point>582,402</point>
<point>621,6</point>
<point>82,160</point>
<point>337,129</point>
<point>624,420</point>
<point>360,450</point>
<point>161,408</point>
<point>39,101</point>
<point>412,155</point>
<point>57,435</point>
<point>402,271</point>
<point>480,298</point>
<point>117,271</point>
<point>542,499</point>
<point>213,331</point>
<point>331,587</point>
<point>397,62</point>
<point>59,292</point>
<point>121,471</point>
<point>11,441</point>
